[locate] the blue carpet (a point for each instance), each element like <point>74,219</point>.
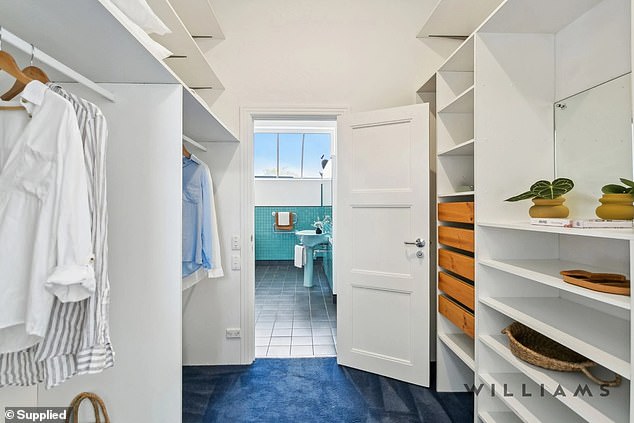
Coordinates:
<point>312,390</point>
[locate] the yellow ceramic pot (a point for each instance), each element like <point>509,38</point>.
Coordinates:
<point>616,207</point>
<point>547,208</point>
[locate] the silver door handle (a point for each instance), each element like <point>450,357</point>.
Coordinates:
<point>420,243</point>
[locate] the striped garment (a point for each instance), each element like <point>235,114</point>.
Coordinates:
<point>77,340</point>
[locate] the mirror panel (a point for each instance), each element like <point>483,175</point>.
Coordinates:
<point>593,142</point>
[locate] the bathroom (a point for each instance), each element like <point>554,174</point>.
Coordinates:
<point>295,301</point>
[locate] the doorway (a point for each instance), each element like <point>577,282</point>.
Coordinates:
<point>295,311</point>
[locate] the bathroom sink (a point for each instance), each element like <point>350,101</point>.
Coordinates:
<point>310,238</point>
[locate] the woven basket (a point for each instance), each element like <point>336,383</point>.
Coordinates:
<point>97,404</point>
<point>535,348</point>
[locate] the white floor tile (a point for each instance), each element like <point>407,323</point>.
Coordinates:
<point>280,340</point>
<point>262,341</point>
<point>325,350</point>
<point>302,340</point>
<point>322,340</point>
<point>279,351</point>
<point>282,332</point>
<point>302,332</point>
<point>322,332</point>
<point>302,351</point>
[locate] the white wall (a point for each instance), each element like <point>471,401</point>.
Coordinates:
<point>301,192</point>
<point>144,205</point>
<point>361,54</point>
<point>213,305</point>
<point>586,58</point>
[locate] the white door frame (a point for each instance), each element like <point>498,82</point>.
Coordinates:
<point>247,276</point>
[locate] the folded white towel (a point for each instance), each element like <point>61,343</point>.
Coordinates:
<point>299,256</point>
<point>283,218</point>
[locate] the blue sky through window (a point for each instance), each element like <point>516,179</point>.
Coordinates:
<point>290,154</point>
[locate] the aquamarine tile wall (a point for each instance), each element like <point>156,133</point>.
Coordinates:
<point>270,245</point>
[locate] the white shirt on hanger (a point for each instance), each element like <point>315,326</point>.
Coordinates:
<point>45,240</point>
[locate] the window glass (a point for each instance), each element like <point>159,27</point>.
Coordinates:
<point>290,155</point>
<point>315,146</point>
<point>265,155</point>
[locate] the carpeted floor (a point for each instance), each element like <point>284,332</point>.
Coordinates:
<point>311,390</point>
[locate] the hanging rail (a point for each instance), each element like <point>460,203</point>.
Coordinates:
<point>194,143</point>
<point>17,42</point>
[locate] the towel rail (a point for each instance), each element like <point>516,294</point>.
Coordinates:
<point>292,231</point>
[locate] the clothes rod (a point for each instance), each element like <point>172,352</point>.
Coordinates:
<point>14,40</point>
<point>194,143</point>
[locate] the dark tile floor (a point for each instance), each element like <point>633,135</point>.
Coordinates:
<point>291,320</point>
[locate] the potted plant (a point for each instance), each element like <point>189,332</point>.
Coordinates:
<point>547,197</point>
<point>616,203</point>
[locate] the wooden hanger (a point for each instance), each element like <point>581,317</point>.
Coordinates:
<point>8,64</point>
<point>186,152</point>
<point>32,72</point>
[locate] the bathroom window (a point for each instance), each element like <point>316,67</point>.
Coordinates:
<point>291,152</point>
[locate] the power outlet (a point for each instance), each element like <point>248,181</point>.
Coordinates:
<point>235,262</point>
<point>235,242</point>
<point>232,333</point>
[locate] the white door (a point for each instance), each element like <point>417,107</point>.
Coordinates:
<point>382,205</point>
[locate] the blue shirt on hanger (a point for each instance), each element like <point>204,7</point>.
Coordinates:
<point>197,240</point>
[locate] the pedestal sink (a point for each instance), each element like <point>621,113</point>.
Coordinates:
<point>309,239</point>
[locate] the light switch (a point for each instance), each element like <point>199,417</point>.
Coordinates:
<point>235,242</point>
<point>235,262</point>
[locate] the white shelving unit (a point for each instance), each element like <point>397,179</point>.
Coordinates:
<point>454,169</point>
<point>444,20</point>
<point>595,408</point>
<point>519,70</point>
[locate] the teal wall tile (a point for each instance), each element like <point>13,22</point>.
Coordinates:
<point>271,245</point>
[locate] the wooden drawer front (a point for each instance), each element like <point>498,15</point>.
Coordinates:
<point>457,315</point>
<point>460,291</point>
<point>457,263</point>
<point>456,237</point>
<point>461,212</point>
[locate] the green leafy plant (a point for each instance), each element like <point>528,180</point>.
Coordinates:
<point>619,189</point>
<point>545,189</point>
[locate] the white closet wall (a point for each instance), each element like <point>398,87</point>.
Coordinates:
<point>213,305</point>
<point>144,202</point>
<point>144,205</point>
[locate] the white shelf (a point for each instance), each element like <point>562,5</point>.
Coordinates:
<point>94,29</point>
<point>460,60</point>
<point>457,18</point>
<point>456,194</point>
<point>463,103</point>
<point>462,345</point>
<point>603,338</point>
<point>511,17</point>
<point>626,234</point>
<point>611,408</point>
<point>188,62</point>
<point>498,417</point>
<point>534,409</point>
<point>462,149</point>
<point>429,86</point>
<point>547,272</point>
<point>199,18</point>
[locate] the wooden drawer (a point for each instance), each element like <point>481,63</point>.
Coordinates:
<point>457,263</point>
<point>461,212</point>
<point>457,315</point>
<point>456,237</point>
<point>460,291</point>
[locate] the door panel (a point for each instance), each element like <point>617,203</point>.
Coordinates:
<point>382,202</point>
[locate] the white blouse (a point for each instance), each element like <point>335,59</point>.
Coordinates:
<point>45,240</point>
